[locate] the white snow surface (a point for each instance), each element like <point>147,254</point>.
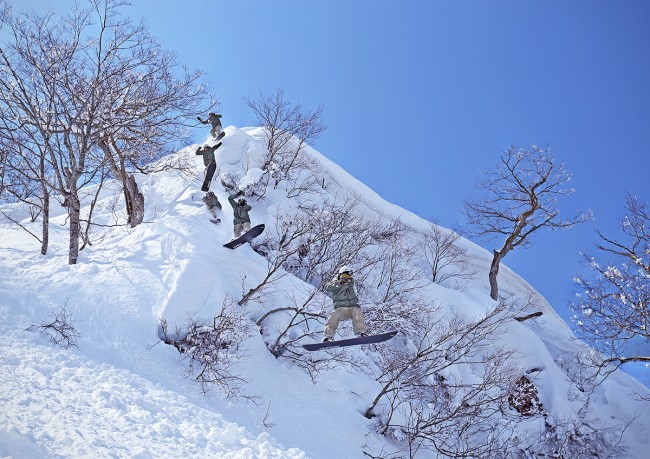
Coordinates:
<point>124,394</point>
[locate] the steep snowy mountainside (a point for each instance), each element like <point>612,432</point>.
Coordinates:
<point>342,183</point>
<point>123,393</point>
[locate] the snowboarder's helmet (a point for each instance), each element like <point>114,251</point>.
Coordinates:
<point>345,269</point>
<point>211,114</point>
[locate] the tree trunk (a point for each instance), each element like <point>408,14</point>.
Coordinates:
<point>494,271</point>
<point>45,241</point>
<point>134,201</point>
<point>74,212</point>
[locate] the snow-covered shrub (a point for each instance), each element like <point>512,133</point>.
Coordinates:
<point>213,347</point>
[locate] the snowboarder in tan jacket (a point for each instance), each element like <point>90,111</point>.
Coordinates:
<point>346,305</point>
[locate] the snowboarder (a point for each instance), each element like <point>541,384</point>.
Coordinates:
<point>241,219</point>
<point>209,162</point>
<point>346,305</point>
<point>215,120</point>
<point>211,200</point>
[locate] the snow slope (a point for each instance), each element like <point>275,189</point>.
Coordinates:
<point>123,393</point>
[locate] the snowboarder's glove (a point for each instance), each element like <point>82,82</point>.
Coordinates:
<point>198,118</point>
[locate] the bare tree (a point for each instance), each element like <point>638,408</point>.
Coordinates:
<point>521,198</point>
<point>18,185</point>
<point>88,90</point>
<point>427,406</point>
<point>446,258</point>
<point>612,309</point>
<point>143,109</point>
<point>311,243</point>
<point>581,436</point>
<point>303,316</point>
<point>289,129</point>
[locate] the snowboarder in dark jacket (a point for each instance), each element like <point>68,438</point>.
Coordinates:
<point>209,162</point>
<point>346,305</point>
<point>215,120</point>
<point>211,200</point>
<point>241,219</point>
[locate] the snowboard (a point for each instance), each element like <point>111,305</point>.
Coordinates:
<point>246,237</point>
<point>370,339</point>
<point>221,136</point>
<point>209,173</point>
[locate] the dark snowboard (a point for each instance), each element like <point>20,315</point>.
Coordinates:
<point>370,339</point>
<point>221,136</point>
<point>209,173</point>
<point>246,237</point>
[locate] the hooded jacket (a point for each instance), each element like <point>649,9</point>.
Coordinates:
<point>240,213</point>
<point>214,120</point>
<point>208,154</point>
<point>343,293</point>
<point>211,200</point>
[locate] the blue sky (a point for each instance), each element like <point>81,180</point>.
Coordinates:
<point>418,96</point>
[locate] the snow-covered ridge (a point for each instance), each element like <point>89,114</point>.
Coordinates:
<point>122,393</point>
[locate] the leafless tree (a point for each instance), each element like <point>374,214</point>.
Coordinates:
<point>612,309</point>
<point>521,197</point>
<point>392,288</point>
<point>446,258</point>
<point>581,436</point>
<point>427,406</point>
<point>334,234</point>
<point>5,12</point>
<point>88,90</point>
<point>289,130</point>
<point>143,109</point>
<point>300,312</point>
<point>311,243</point>
<point>18,185</point>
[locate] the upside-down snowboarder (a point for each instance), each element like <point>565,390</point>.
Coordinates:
<point>346,305</point>
<point>209,162</point>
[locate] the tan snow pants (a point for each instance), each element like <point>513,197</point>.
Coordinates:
<point>239,227</point>
<point>355,314</point>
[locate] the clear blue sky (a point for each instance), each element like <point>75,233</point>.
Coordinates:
<point>445,86</point>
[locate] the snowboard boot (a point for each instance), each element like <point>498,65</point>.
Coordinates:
<point>327,339</point>
<point>361,335</point>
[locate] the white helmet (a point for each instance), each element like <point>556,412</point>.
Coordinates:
<point>345,269</point>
